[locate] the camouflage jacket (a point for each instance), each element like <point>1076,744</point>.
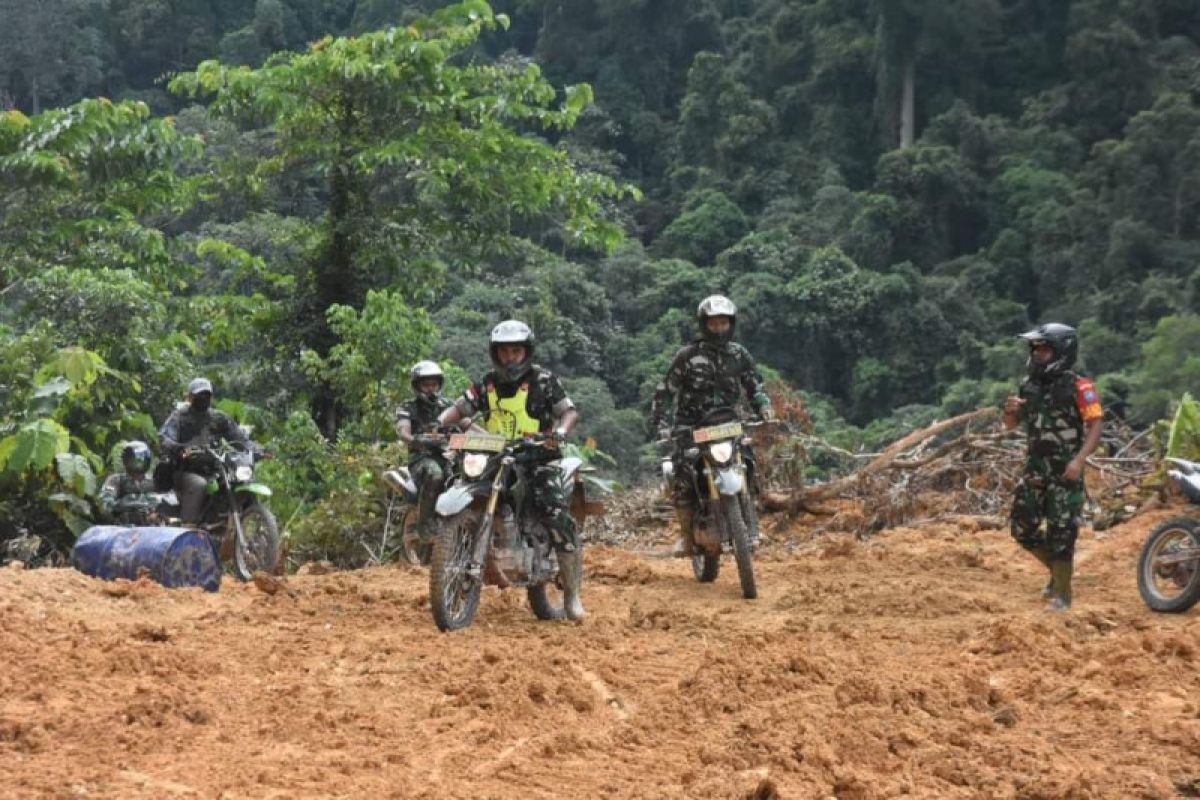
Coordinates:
<point>547,401</point>
<point>1054,416</point>
<point>421,415</point>
<point>187,428</point>
<point>703,377</point>
<point>122,491</point>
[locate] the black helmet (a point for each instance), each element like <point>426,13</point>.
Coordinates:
<point>716,306</point>
<point>136,457</point>
<point>511,331</point>
<point>1062,339</point>
<point>424,370</point>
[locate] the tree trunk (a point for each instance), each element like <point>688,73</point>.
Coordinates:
<point>908,101</point>
<point>35,96</point>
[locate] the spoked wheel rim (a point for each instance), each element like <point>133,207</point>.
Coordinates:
<point>456,594</point>
<point>1170,580</point>
<point>412,549</point>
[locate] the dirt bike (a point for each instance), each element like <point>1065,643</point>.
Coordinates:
<point>488,532</point>
<point>1169,566</point>
<point>402,483</point>
<point>234,505</point>
<point>717,459</point>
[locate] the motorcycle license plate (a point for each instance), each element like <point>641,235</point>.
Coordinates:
<point>726,431</point>
<point>484,442</point>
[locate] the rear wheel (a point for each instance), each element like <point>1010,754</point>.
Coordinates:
<point>706,566</point>
<point>735,525</point>
<point>1173,586</point>
<point>412,549</point>
<point>546,600</point>
<point>258,547</point>
<point>453,592</point>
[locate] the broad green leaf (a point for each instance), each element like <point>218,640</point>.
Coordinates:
<point>37,445</point>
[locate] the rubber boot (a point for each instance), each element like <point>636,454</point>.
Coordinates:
<point>570,569</point>
<point>1043,555</point>
<point>1061,572</point>
<point>685,546</point>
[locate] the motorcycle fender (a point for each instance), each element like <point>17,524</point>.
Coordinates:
<point>260,489</point>
<point>730,481</point>
<point>459,496</point>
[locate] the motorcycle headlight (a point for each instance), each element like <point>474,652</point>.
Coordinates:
<point>244,472</point>
<point>721,451</point>
<point>474,464</point>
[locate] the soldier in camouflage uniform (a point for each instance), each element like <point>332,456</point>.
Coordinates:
<point>416,423</point>
<point>711,373</point>
<point>1061,414</point>
<point>519,398</point>
<point>128,497</point>
<point>196,424</point>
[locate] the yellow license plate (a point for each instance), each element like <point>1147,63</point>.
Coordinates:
<point>484,442</point>
<point>726,431</point>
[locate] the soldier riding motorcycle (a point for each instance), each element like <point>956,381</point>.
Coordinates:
<point>716,460</point>
<point>213,464</point>
<point>516,476</point>
<point>707,379</point>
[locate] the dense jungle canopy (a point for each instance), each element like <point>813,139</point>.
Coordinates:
<point>300,198</point>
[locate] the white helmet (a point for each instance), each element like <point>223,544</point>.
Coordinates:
<point>423,370</point>
<point>716,305</point>
<point>511,331</point>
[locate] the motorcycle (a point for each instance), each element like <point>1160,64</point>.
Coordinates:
<point>720,465</point>
<point>1169,566</point>
<point>488,532</point>
<point>234,506</point>
<point>404,488</point>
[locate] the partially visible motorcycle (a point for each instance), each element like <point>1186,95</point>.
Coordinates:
<point>407,494</point>
<point>488,532</point>
<point>1169,566</point>
<point>717,459</point>
<point>242,528</point>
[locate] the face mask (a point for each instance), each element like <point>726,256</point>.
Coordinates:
<point>201,403</point>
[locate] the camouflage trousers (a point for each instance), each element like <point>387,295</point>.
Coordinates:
<point>551,503</point>
<point>430,476</point>
<point>1045,498</point>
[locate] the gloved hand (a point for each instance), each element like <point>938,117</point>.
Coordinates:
<point>663,432</point>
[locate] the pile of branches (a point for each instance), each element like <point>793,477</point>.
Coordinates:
<point>966,466</point>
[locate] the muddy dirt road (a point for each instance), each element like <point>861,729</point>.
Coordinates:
<point>918,664</point>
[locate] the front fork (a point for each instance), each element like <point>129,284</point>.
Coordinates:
<point>484,539</point>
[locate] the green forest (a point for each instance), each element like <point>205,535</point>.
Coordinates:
<point>298,199</point>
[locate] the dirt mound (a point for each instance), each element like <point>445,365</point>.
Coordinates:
<point>920,662</point>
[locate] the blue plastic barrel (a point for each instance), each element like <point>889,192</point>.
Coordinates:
<point>174,557</point>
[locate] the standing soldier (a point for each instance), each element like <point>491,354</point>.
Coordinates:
<point>713,372</point>
<point>128,497</point>
<point>1061,413</point>
<point>416,421</point>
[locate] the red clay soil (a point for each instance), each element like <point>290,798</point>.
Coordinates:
<point>921,663</point>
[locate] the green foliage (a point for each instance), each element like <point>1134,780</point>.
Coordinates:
<point>1170,366</point>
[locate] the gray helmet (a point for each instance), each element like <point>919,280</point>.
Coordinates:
<point>199,386</point>
<point>423,370</point>
<point>716,306</point>
<point>136,457</point>
<point>511,331</point>
<point>1062,339</point>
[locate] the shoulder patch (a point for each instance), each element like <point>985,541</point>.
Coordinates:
<point>1088,399</point>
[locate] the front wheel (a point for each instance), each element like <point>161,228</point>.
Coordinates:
<point>706,566</point>
<point>453,592</point>
<point>257,549</point>
<point>735,525</point>
<point>1171,587</point>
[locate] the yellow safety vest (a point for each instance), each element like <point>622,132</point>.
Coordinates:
<point>508,416</point>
